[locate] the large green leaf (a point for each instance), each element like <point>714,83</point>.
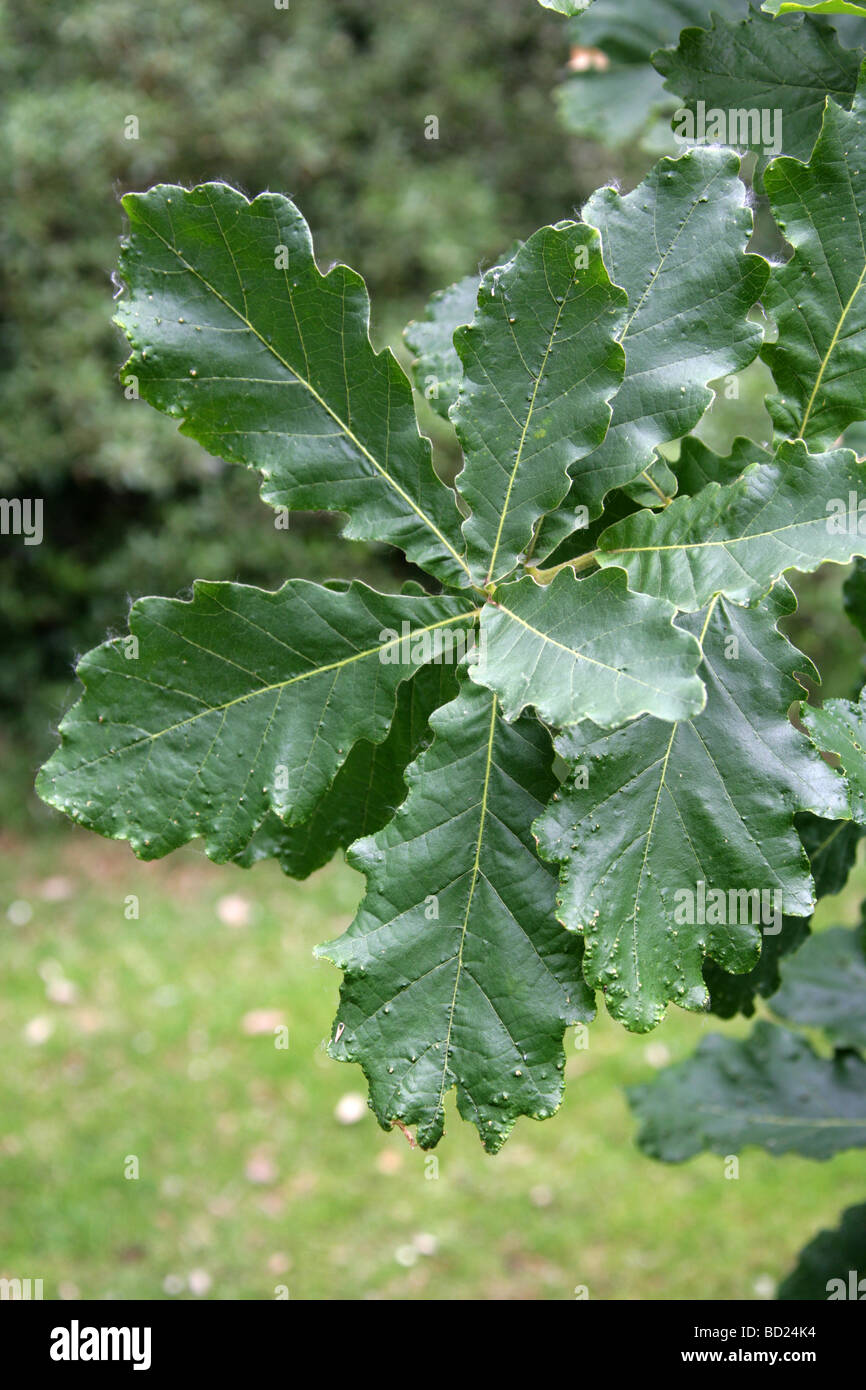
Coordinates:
<point>456,971</point>
<point>794,513</point>
<point>367,789</point>
<point>840,727</point>
<point>824,986</point>
<point>235,704</point>
<point>653,811</point>
<point>540,363</point>
<point>269,363</point>
<point>677,246</point>
<point>825,1266</point>
<point>748,71</point>
<point>617,103</point>
<point>769,1089</point>
<point>437,370</point>
<point>817,298</point>
<point>587,649</point>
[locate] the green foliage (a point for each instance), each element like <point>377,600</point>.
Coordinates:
<point>817,297</point>
<point>586,649</point>
<point>840,728</point>
<point>738,538</point>
<point>299,99</point>
<point>617,94</point>
<point>685,327</point>
<point>617,720</point>
<point>436,369</point>
<point>237,704</point>
<point>302,397</point>
<point>523,417</point>
<point>756,65</point>
<point>366,791</point>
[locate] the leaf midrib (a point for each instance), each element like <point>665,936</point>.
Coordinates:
<point>266,689</point>
<point>519,455</point>
<point>476,869</point>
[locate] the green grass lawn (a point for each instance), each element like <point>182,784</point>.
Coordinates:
<point>133,1038</point>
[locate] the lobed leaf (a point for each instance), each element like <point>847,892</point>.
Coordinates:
<point>655,810</point>
<point>824,986</point>
<point>816,298</point>
<point>367,789</point>
<point>748,70</point>
<point>832,850</point>
<point>699,465</point>
<point>737,994</point>
<point>456,971</point>
<point>437,370</point>
<point>540,364</point>
<point>840,727</point>
<point>586,649</point>
<point>238,703</point>
<point>268,363</point>
<point>677,246</point>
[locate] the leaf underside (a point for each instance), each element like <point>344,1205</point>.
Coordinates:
<point>367,789</point>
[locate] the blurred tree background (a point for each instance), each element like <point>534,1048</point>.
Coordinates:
<point>327,103</point>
